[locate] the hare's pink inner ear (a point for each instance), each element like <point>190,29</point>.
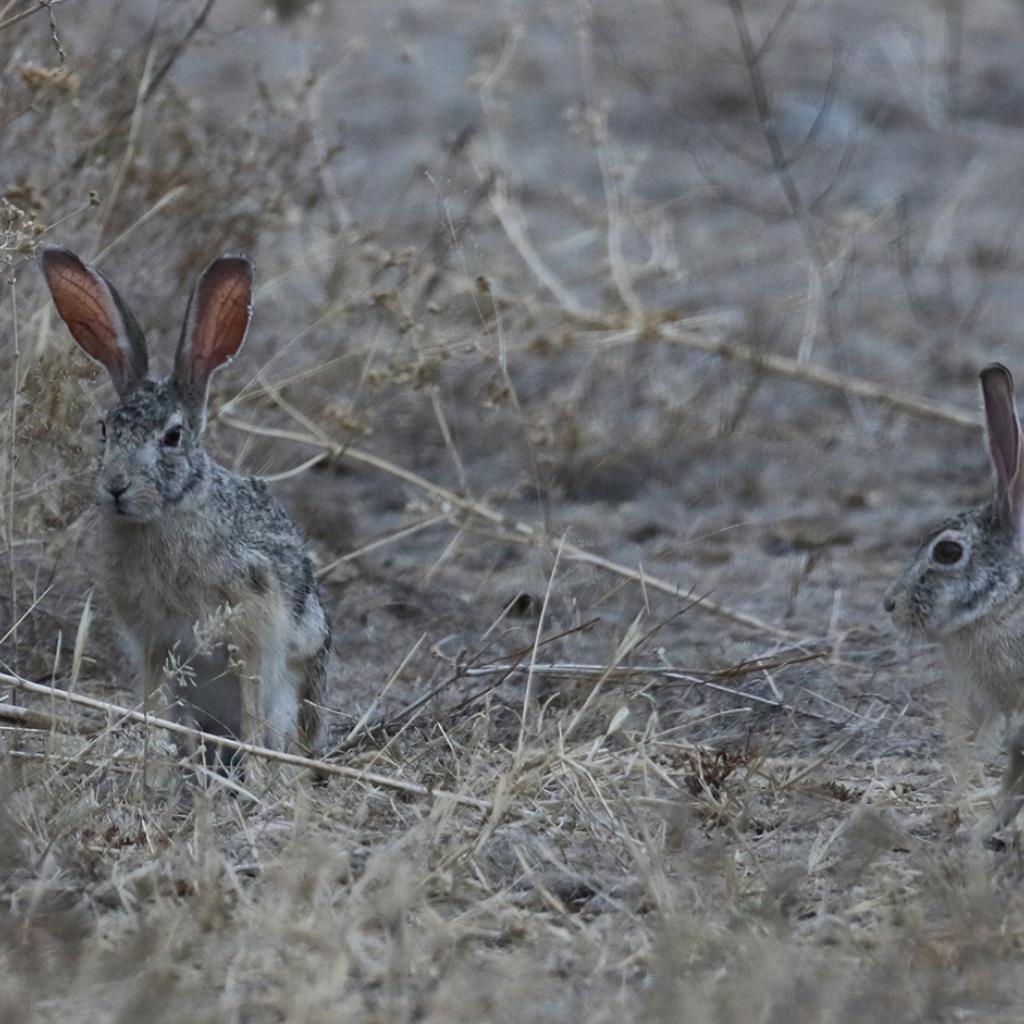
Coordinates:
<point>1004,440</point>
<point>96,317</point>
<point>215,324</point>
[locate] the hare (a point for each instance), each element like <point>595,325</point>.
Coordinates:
<point>211,588</point>
<point>965,589</point>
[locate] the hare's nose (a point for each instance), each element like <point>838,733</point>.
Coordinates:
<point>889,603</point>
<point>117,486</point>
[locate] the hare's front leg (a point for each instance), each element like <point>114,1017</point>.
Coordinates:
<point>246,660</point>
<point>146,661</point>
<point>151,671</point>
<point>1011,792</point>
<point>159,693</point>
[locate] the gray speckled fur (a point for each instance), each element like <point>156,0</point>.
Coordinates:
<point>209,539</point>
<point>975,612</point>
<point>204,570</point>
<point>974,608</point>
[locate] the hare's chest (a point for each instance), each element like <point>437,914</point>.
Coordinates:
<point>990,663</point>
<point>169,589</point>
<point>154,588</point>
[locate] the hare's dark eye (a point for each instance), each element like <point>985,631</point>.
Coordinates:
<point>103,429</point>
<point>172,438</point>
<point>947,552</point>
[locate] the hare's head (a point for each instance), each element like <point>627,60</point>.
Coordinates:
<point>153,455</point>
<point>971,565</point>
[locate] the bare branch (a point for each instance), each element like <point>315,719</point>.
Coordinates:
<point>40,5</point>
<point>752,60</point>
<point>821,376</point>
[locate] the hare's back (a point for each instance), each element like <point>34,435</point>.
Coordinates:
<point>265,539</point>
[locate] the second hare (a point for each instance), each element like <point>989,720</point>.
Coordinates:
<point>209,581</point>
<point>965,588</point>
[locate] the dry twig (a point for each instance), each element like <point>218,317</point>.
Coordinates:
<point>522,532</point>
<point>822,376</point>
<point>40,5</point>
<point>250,749</point>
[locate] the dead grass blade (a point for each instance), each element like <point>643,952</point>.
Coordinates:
<point>177,50</point>
<point>379,542</point>
<point>81,636</point>
<point>528,688</point>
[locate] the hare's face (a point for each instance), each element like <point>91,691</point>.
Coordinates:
<point>963,572</point>
<point>152,456</point>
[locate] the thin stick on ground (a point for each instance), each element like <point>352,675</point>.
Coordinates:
<point>409,710</point>
<point>378,542</point>
<point>605,672</point>
<point>29,718</point>
<point>364,718</point>
<point>250,749</point>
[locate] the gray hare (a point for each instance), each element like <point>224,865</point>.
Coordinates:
<point>209,581</point>
<point>965,588</point>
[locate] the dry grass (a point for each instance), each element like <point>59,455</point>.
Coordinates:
<point>611,362</point>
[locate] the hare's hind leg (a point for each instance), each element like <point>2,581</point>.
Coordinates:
<point>280,701</point>
<point>313,683</point>
<point>279,691</point>
<point>1011,791</point>
<point>288,665</point>
<point>254,630</point>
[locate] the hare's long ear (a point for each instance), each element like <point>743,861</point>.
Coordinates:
<point>1004,442</point>
<point>97,318</point>
<point>215,325</point>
